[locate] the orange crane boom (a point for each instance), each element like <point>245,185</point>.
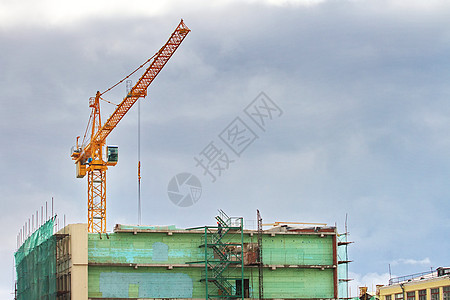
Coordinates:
<point>89,159</point>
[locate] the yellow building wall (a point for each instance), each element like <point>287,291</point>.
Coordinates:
<point>416,286</point>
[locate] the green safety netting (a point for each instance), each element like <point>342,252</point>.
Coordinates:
<point>343,268</point>
<point>36,265</point>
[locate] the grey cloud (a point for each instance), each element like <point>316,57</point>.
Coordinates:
<point>364,131</point>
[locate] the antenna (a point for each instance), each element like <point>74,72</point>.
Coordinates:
<point>346,249</point>
<point>260,256</point>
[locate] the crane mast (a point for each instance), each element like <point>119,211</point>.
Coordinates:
<point>89,159</point>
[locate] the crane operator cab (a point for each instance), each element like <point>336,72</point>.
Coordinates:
<point>112,153</point>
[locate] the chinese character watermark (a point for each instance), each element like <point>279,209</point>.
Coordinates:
<point>263,110</point>
<point>238,136</point>
<point>213,160</point>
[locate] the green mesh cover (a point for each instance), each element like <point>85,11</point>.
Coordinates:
<point>144,227</point>
<point>36,265</point>
<point>342,268</point>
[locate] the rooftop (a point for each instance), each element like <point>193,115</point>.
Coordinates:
<point>439,272</point>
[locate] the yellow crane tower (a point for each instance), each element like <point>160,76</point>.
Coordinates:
<point>89,156</point>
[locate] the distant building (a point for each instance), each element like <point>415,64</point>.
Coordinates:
<point>364,294</point>
<point>432,285</point>
<point>164,262</point>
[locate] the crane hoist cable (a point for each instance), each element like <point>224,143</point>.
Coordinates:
<point>129,75</point>
<point>112,87</point>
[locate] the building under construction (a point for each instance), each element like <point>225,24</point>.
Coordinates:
<point>83,261</point>
<point>285,261</point>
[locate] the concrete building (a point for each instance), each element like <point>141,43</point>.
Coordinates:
<point>432,285</point>
<point>365,294</point>
<point>164,262</point>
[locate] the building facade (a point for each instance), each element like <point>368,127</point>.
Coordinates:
<point>223,261</point>
<point>433,285</point>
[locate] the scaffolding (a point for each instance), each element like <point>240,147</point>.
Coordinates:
<point>223,258</point>
<point>343,261</point>
<point>260,257</point>
<point>63,261</point>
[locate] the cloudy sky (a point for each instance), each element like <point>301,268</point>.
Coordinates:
<point>360,129</point>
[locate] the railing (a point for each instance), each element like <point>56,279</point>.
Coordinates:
<point>413,277</point>
<point>223,257</point>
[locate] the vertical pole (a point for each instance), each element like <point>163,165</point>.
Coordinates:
<point>139,193</point>
<point>335,263</point>
<point>139,162</point>
<point>242,258</point>
<point>346,254</point>
<point>260,258</point>
<point>206,263</point>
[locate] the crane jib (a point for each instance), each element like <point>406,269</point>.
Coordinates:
<point>89,159</point>
<point>139,90</point>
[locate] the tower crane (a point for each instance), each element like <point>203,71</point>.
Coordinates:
<point>90,156</point>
